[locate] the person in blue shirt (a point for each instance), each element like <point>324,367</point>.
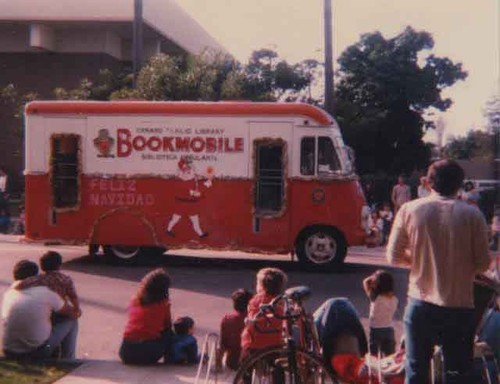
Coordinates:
<point>184,346</point>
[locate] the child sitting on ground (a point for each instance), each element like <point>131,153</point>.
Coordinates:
<point>52,278</point>
<point>379,287</point>
<point>184,345</point>
<point>386,215</point>
<point>231,326</point>
<point>271,282</point>
<point>376,226</point>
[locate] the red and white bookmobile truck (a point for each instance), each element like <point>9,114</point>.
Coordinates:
<point>142,177</point>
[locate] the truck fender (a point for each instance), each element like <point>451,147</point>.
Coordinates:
<point>117,224</point>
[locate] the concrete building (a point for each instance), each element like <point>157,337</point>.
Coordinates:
<point>46,44</point>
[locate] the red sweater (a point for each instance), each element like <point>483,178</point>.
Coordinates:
<point>147,322</point>
<point>231,326</point>
<point>251,339</point>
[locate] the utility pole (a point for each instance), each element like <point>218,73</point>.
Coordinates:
<point>137,41</point>
<point>329,101</point>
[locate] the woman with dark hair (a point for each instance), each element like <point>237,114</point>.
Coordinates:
<point>148,332</point>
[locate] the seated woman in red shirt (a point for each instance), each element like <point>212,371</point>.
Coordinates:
<point>148,332</point>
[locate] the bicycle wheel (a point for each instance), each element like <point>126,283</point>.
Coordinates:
<point>272,366</point>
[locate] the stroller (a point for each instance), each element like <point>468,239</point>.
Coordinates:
<point>344,346</point>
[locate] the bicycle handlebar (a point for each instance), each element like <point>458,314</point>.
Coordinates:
<point>296,294</point>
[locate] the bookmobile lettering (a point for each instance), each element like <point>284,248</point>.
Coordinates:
<point>166,143</point>
<point>117,192</point>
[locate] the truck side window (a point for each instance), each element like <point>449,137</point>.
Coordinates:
<point>65,170</point>
<point>328,160</point>
<point>307,155</point>
<point>269,176</point>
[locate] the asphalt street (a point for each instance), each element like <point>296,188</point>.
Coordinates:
<point>202,282</point>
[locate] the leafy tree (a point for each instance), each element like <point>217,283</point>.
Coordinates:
<point>194,77</point>
<point>492,114</point>
<point>102,88</point>
<point>313,72</point>
<point>14,101</point>
<point>216,76</point>
<point>268,78</point>
<point>385,87</point>
<point>475,145</point>
<point>209,76</point>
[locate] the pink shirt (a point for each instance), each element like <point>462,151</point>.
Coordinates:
<point>447,241</point>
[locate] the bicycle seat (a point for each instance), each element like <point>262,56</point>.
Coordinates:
<point>299,293</point>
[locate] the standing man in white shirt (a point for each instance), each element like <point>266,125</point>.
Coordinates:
<point>401,193</point>
<point>444,241</point>
<point>3,181</point>
<point>26,315</point>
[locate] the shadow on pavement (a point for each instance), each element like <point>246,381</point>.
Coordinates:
<point>221,276</point>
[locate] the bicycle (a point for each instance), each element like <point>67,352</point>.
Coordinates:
<point>298,360</point>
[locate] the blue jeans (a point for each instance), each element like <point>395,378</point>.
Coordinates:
<point>63,336</point>
<point>146,351</point>
<point>335,317</point>
<point>427,325</point>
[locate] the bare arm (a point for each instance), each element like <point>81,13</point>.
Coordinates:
<point>71,296</point>
<point>221,350</point>
<point>482,258</point>
<point>367,285</point>
<point>69,311</point>
<point>397,245</point>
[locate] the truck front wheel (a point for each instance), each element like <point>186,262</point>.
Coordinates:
<point>321,246</point>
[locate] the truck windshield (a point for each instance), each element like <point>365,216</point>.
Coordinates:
<point>319,156</point>
<point>328,160</point>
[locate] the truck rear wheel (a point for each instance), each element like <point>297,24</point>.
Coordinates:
<point>321,246</point>
<point>123,254</point>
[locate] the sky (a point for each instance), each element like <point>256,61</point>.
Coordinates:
<point>465,31</point>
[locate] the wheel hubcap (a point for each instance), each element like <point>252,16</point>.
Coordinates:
<point>125,251</point>
<point>321,248</point>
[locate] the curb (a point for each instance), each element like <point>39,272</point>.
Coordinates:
<point>112,371</point>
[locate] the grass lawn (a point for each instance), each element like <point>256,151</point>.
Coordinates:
<point>17,372</point>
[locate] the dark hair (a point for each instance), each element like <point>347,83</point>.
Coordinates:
<point>50,261</point>
<point>24,269</point>
<point>182,325</point>
<point>445,177</point>
<point>154,287</point>
<point>273,280</point>
<point>241,297</point>
<point>468,186</point>
<point>383,282</point>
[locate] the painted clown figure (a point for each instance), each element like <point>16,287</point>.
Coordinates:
<point>188,199</point>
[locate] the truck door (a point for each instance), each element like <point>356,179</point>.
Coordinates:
<point>271,216</point>
<point>269,184</point>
